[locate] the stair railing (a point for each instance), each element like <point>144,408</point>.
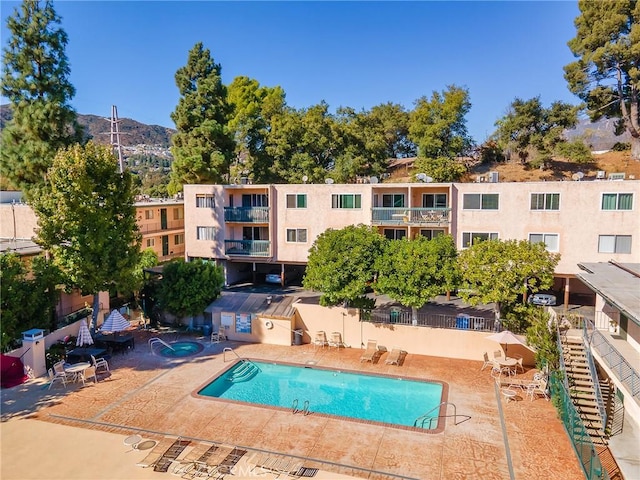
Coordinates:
<point>594,374</point>
<point>563,367</point>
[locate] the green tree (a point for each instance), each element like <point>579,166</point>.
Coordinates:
<point>530,129</point>
<point>341,263</point>
<point>135,282</point>
<point>254,107</point>
<point>606,74</point>
<point>186,289</point>
<point>496,271</point>
<point>28,298</point>
<point>86,220</point>
<point>441,169</point>
<point>393,121</point>
<point>438,125</point>
<point>203,146</point>
<point>35,80</point>
<point>415,271</point>
<point>542,337</point>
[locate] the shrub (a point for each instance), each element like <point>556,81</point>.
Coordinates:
<point>621,146</point>
<point>576,151</point>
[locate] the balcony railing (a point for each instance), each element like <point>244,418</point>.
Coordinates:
<point>251,248</point>
<point>410,216</point>
<point>246,214</point>
<point>400,316</point>
<point>146,227</point>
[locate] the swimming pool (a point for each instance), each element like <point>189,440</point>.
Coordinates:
<point>181,349</point>
<point>372,398</point>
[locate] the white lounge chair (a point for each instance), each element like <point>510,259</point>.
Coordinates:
<point>320,340</point>
<point>395,356</point>
<point>336,340</point>
<point>370,353</point>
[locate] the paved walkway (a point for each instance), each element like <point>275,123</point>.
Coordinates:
<point>154,396</point>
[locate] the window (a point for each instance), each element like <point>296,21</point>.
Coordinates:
<point>480,201</point>
<point>617,201</point>
<point>549,239</point>
<point>178,239</point>
<point>298,235</point>
<point>148,214</point>
<point>393,200</point>
<point>346,200</point>
<point>205,233</point>
<point>434,200</point>
<point>178,213</point>
<point>296,200</point>
<point>614,244</point>
<point>255,200</point>
<point>205,201</point>
<point>431,233</point>
<point>471,238</point>
<point>151,242</point>
<point>545,201</point>
<point>395,234</point>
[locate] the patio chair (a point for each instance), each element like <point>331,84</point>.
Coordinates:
<point>336,340</point>
<point>88,373</point>
<point>194,463</point>
<point>99,363</point>
<point>371,351</point>
<point>497,354</point>
<point>518,365</point>
<point>395,356</point>
<point>58,370</point>
<point>538,388</point>
<point>320,340</point>
<point>487,362</point>
<point>53,378</point>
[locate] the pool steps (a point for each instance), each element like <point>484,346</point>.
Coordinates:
<point>245,372</point>
<point>155,340</point>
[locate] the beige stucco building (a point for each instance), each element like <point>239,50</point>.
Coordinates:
<point>161,224</point>
<point>253,230</point>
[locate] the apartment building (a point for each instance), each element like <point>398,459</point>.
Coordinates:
<point>161,224</point>
<point>254,230</point>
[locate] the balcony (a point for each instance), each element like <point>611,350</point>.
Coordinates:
<point>410,216</point>
<point>247,248</point>
<point>246,214</point>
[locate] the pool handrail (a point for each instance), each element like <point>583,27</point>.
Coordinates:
<point>155,340</point>
<point>425,417</point>
<point>229,349</point>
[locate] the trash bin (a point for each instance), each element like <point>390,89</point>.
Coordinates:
<point>297,336</point>
<point>462,321</point>
<point>206,330</point>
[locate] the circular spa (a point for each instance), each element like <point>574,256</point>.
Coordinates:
<point>177,349</point>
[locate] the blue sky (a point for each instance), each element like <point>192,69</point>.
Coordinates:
<point>356,54</point>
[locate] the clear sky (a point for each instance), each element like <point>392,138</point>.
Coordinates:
<point>356,54</point>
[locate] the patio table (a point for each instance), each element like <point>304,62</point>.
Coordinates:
<point>76,369</point>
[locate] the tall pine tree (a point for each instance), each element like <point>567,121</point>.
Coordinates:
<point>35,80</point>
<point>203,145</point>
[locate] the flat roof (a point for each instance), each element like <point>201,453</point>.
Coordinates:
<point>20,246</point>
<point>617,283</point>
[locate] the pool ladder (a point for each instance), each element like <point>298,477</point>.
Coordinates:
<point>155,340</point>
<point>305,408</point>
<point>424,418</point>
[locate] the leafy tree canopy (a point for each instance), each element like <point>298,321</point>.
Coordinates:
<point>415,271</point>
<point>341,263</point>
<point>203,145</point>
<point>528,127</point>
<point>438,125</point>
<point>497,271</point>
<point>35,80</point>
<point>188,288</point>
<point>606,74</point>
<point>86,219</point>
<point>28,298</point>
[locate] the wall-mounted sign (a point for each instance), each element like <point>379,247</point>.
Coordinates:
<point>243,323</point>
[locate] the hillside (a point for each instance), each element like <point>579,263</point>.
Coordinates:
<point>132,133</point>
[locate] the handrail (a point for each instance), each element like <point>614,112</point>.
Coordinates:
<point>563,367</point>
<point>154,340</point>
<point>425,417</point>
<point>294,406</point>
<point>305,408</point>
<point>594,375</point>
<point>228,349</point>
<point>618,364</point>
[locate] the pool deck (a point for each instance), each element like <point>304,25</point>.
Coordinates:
<point>77,432</point>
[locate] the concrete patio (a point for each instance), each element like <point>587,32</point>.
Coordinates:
<point>153,396</point>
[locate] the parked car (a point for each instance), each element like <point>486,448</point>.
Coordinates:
<point>543,299</point>
<point>273,278</point>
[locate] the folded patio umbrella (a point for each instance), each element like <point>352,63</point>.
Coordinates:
<point>115,322</point>
<point>84,336</point>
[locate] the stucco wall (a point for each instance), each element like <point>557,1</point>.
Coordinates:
<point>20,216</point>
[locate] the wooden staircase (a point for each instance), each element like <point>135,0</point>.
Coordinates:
<point>582,390</point>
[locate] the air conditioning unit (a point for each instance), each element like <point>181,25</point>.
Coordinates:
<point>601,175</point>
<point>493,177</point>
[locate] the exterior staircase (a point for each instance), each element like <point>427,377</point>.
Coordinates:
<point>583,390</point>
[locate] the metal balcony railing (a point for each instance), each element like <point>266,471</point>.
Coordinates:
<point>400,316</point>
<point>251,248</point>
<point>413,216</point>
<point>246,214</point>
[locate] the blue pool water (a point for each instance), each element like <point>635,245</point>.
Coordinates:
<point>181,349</point>
<point>365,397</point>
